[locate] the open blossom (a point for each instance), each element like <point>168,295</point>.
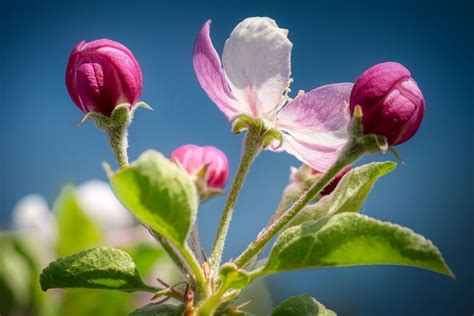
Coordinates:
<point>101,75</point>
<point>193,158</point>
<point>253,78</point>
<point>392,104</point>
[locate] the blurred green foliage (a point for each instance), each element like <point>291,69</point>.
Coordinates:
<point>22,257</point>
<point>24,253</point>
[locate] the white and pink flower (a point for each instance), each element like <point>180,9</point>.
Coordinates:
<point>254,78</point>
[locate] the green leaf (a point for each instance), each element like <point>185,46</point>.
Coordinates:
<point>349,195</point>
<point>350,239</point>
<point>233,277</point>
<point>303,305</point>
<point>100,268</point>
<point>160,194</point>
<point>159,310</point>
<point>76,230</point>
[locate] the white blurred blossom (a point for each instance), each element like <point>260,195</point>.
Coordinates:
<point>97,200</point>
<point>31,215</point>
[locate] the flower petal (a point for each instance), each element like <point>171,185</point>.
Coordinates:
<point>207,66</point>
<point>257,63</point>
<point>315,125</point>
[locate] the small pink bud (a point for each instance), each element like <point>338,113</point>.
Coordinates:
<point>333,184</point>
<point>194,158</point>
<point>392,104</point>
<point>101,75</point>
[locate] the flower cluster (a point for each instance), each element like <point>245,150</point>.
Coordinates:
<point>328,129</point>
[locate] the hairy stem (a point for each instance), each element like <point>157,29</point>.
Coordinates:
<point>186,262</point>
<point>172,253</point>
<point>210,305</point>
<point>251,147</point>
<point>352,152</point>
<point>195,243</point>
<point>201,284</point>
<point>118,138</point>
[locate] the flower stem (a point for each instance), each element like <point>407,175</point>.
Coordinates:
<point>208,307</point>
<point>201,284</point>
<point>251,147</point>
<point>172,253</point>
<point>185,260</point>
<point>353,151</point>
<point>118,138</point>
<point>195,243</point>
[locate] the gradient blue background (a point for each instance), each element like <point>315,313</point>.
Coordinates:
<point>41,148</point>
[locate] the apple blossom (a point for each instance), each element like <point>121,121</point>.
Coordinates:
<point>254,79</point>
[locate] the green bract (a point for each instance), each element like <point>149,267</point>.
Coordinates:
<point>100,268</point>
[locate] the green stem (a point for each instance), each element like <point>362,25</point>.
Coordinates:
<point>183,257</point>
<point>251,147</point>
<point>195,243</point>
<point>172,253</point>
<point>210,305</point>
<point>201,284</point>
<point>353,152</point>
<point>118,138</point>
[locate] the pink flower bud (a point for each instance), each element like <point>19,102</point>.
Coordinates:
<point>193,158</point>
<point>102,74</point>
<point>333,184</point>
<point>392,104</point>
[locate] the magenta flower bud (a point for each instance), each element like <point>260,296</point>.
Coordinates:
<point>101,75</point>
<point>333,184</point>
<point>392,104</point>
<point>194,158</point>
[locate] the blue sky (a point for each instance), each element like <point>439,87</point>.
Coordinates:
<point>333,41</point>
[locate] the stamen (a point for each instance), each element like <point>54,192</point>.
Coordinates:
<point>285,98</point>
